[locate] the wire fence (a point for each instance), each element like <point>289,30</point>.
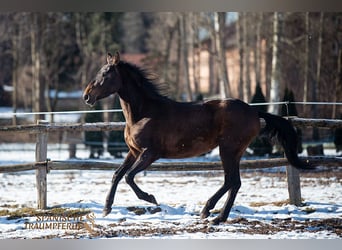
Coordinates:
<point>120,110</point>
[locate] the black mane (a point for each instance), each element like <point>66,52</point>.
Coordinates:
<point>144,80</point>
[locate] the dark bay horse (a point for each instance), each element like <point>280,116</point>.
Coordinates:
<point>158,127</point>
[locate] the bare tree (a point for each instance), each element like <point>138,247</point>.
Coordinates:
<point>246,60</point>
<point>248,31</point>
<point>38,86</point>
<point>257,48</point>
<point>185,54</point>
<point>172,25</point>
<point>219,25</point>
<point>316,81</point>
<point>195,50</point>
<point>163,44</point>
<point>239,38</point>
<point>337,81</point>
<point>80,40</point>
<point>275,74</point>
<point>306,59</point>
<point>208,24</point>
<point>16,45</point>
<point>133,32</point>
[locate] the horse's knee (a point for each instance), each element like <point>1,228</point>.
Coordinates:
<point>129,177</point>
<point>233,182</point>
<point>236,184</point>
<point>115,178</point>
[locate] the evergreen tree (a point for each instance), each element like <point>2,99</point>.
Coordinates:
<point>94,139</point>
<point>261,145</point>
<point>259,98</point>
<point>5,99</point>
<point>288,109</point>
<point>291,110</point>
<point>338,138</point>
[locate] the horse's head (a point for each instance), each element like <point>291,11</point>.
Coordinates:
<point>106,82</point>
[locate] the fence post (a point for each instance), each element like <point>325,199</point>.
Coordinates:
<point>293,185</point>
<point>41,171</point>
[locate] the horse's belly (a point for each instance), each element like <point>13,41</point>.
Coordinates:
<point>191,148</point>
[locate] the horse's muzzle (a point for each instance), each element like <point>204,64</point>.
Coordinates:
<point>88,100</point>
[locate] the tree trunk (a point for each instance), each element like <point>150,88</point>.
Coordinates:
<point>219,24</point>
<point>275,84</point>
<point>15,54</point>
<point>239,38</point>
<point>212,72</point>
<point>306,61</point>
<point>185,55</point>
<point>337,83</point>
<point>168,53</point>
<point>194,47</point>
<point>246,61</point>
<point>179,89</point>
<point>316,82</point>
<point>257,54</point>
<point>81,39</point>
<point>38,87</point>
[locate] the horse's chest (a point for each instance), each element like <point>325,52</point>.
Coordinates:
<point>138,134</point>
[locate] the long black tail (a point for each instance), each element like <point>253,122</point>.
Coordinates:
<point>286,135</point>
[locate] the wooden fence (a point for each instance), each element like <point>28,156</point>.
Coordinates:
<point>43,165</point>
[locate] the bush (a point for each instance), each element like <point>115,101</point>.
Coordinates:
<point>5,97</point>
<point>291,110</point>
<point>260,145</point>
<point>338,138</point>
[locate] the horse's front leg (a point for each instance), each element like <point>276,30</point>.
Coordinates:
<point>145,159</point>
<point>119,173</point>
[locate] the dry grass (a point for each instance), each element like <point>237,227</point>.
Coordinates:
<point>33,212</point>
<point>275,203</point>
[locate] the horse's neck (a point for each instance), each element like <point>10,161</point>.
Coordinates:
<point>132,103</point>
<point>128,112</point>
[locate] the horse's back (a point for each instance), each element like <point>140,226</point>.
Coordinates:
<point>189,129</point>
<point>239,121</point>
<point>233,110</point>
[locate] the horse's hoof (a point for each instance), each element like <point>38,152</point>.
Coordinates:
<point>215,221</point>
<point>204,214</point>
<point>106,211</point>
<point>153,200</point>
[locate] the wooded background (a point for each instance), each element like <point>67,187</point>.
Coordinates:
<point>207,54</point>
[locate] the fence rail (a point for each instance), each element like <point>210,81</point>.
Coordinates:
<point>108,126</point>
<point>165,166</point>
<point>43,165</point>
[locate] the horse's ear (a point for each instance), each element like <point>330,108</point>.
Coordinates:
<point>109,58</point>
<point>116,58</point>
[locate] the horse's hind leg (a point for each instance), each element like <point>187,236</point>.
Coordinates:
<point>231,184</point>
<point>144,160</point>
<point>210,204</point>
<point>119,173</point>
<point>234,186</point>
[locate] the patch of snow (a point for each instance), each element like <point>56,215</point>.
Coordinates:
<point>181,195</point>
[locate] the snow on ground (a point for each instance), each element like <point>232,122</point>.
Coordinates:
<point>260,209</point>
<point>7,113</point>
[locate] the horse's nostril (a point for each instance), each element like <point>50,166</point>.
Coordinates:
<point>86,97</point>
